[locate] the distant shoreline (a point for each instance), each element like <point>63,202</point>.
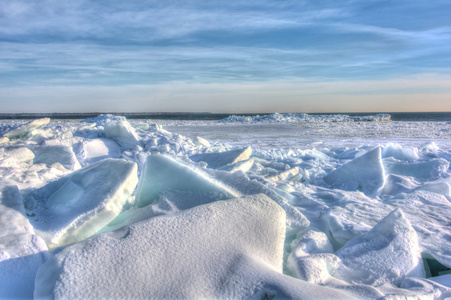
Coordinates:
<point>395,116</point>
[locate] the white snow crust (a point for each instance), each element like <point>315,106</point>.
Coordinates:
<point>280,206</point>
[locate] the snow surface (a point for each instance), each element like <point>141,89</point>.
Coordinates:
<point>284,206</point>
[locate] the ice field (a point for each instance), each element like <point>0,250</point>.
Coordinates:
<point>287,206</point>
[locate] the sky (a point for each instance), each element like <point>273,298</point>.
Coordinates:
<point>225,56</point>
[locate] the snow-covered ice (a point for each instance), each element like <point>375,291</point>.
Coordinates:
<point>76,206</point>
<point>22,252</point>
<point>279,206</point>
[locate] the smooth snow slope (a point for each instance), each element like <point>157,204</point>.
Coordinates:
<point>286,206</point>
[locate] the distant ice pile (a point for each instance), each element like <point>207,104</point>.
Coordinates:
<point>297,118</point>
<point>107,208</point>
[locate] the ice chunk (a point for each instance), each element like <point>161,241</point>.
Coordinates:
<point>3,140</point>
<point>395,184</point>
<point>122,132</point>
<point>21,251</point>
<point>203,142</point>
<point>219,160</point>
<point>227,249</point>
<point>423,171</point>
<point>311,243</point>
<point>399,152</point>
<point>78,205</point>
<point>365,173</point>
<point>164,174</point>
<point>432,288</point>
<point>98,149</point>
<point>314,268</point>
<point>242,166</point>
<point>56,154</point>
<point>285,175</point>
<point>349,214</point>
<point>13,155</point>
<point>26,129</point>
<point>386,254</point>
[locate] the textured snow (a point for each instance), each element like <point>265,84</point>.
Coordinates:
<point>205,252</point>
<point>334,179</point>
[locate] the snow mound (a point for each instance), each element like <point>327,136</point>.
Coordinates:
<point>227,249</point>
<point>76,206</point>
<point>386,254</point>
<point>222,159</point>
<point>21,251</point>
<point>311,243</point>
<point>365,173</point>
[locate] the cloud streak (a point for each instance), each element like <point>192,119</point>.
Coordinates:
<point>402,94</point>
<point>84,43</point>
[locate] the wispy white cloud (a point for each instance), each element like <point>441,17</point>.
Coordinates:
<point>153,43</point>
<point>402,94</point>
<point>136,22</point>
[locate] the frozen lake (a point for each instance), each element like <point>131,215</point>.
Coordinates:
<point>258,209</point>
<point>311,135</point>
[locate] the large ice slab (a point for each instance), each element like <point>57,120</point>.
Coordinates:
<point>365,173</point>
<point>93,150</point>
<point>401,153</point>
<point>122,132</point>
<point>227,249</point>
<point>221,159</point>
<point>388,253</point>
<point>14,155</point>
<point>76,206</point>
<point>55,154</point>
<point>162,174</point>
<point>169,184</point>
<point>26,129</point>
<point>424,171</point>
<point>21,250</point>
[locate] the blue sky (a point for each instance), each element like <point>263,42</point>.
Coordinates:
<point>225,56</point>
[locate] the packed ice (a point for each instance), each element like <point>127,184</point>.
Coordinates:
<point>290,118</point>
<point>279,206</point>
